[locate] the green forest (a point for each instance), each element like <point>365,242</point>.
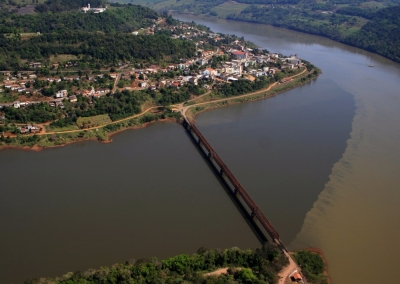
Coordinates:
<point>379,34</point>
<point>245,266</point>
<point>101,38</point>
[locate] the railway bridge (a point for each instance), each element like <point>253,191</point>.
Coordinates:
<point>234,185</point>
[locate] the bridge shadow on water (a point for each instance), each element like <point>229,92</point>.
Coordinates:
<point>229,191</point>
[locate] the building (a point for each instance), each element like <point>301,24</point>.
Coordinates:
<point>239,54</point>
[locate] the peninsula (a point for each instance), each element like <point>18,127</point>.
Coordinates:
<point>90,81</point>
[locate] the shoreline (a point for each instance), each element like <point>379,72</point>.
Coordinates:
<point>321,254</point>
<point>246,98</point>
<point>37,148</point>
<point>220,102</point>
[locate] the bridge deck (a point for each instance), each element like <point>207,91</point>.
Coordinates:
<point>256,212</point>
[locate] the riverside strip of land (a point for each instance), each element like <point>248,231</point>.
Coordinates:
<point>47,138</point>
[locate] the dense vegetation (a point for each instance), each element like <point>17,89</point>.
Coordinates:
<point>381,35</point>
<point>259,266</point>
<point>93,48</point>
<point>312,265</point>
<point>242,87</point>
<point>94,38</point>
<point>115,19</point>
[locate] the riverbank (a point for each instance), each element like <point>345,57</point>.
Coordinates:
<point>103,133</point>
<point>321,254</point>
<point>274,89</point>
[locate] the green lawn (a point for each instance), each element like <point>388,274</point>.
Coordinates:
<point>226,9</point>
<point>60,129</point>
<point>93,121</point>
<point>62,58</point>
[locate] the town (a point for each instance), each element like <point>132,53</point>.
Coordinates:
<point>219,59</point>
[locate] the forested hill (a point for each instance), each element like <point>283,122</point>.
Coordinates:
<point>380,35</point>
<point>96,39</point>
<point>375,31</point>
<point>66,5</point>
<point>115,19</point>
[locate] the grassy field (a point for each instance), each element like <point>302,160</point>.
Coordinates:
<point>93,121</point>
<point>228,8</point>
<point>162,5</point>
<point>373,4</point>
<point>57,129</point>
<point>62,58</point>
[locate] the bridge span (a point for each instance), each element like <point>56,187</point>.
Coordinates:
<point>235,186</point>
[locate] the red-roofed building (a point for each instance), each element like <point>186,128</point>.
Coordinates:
<point>239,54</point>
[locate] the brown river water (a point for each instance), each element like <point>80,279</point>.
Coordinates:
<point>321,161</point>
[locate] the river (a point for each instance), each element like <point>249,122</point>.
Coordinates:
<point>321,161</point>
<point>355,217</point>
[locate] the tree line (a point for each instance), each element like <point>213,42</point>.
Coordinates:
<point>93,47</point>
<point>256,266</point>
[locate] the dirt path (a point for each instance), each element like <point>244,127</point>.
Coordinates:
<point>96,127</point>
<point>218,272</point>
<point>116,83</point>
<point>180,107</point>
<point>286,271</point>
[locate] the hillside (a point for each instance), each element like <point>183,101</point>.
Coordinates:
<point>381,35</point>
<point>373,26</point>
<point>94,38</point>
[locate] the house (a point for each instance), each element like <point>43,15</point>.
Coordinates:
<point>73,99</point>
<point>239,54</point>
<point>193,81</point>
<point>16,104</point>
<point>202,61</point>
<point>143,84</point>
<point>229,70</point>
<point>61,94</point>
<point>296,277</point>
<point>293,60</point>
<point>35,65</point>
